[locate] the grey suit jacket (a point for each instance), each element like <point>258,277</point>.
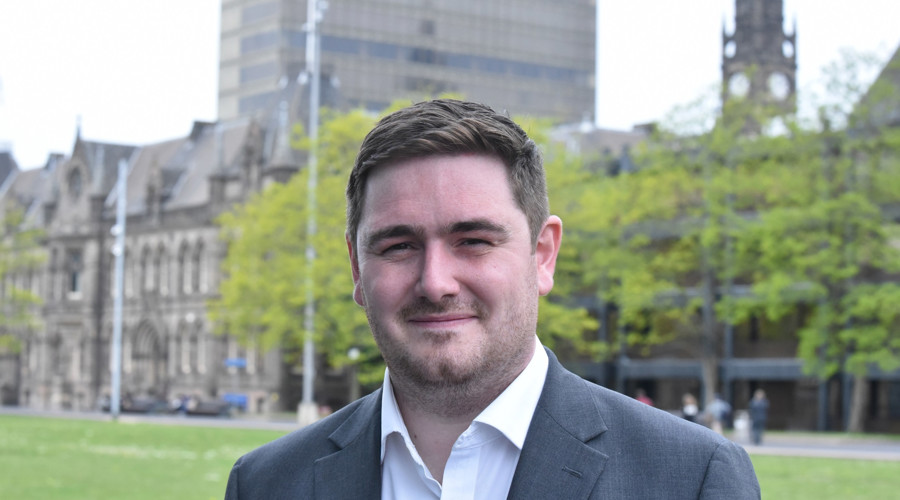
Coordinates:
<point>584,442</point>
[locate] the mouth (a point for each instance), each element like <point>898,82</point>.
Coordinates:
<point>441,321</point>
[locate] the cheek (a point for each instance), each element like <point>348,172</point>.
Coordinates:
<point>382,286</point>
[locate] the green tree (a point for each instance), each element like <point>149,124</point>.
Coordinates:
<point>830,242</point>
<point>21,256</point>
<point>801,216</point>
<point>261,298</point>
<point>657,241</point>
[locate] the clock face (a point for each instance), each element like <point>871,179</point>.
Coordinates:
<point>738,85</point>
<point>779,86</point>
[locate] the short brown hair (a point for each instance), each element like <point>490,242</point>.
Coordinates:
<point>452,127</point>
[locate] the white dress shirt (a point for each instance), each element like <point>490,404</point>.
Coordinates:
<point>482,461</point>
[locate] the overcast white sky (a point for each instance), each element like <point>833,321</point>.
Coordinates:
<point>140,71</point>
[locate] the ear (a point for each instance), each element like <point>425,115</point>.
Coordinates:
<point>545,253</point>
<point>354,269</point>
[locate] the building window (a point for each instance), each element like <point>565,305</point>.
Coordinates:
<point>147,271</point>
<point>196,268</point>
<point>74,183</point>
<point>258,12</point>
<point>74,269</point>
<point>181,284</point>
<point>382,50</point>
<point>259,41</point>
<point>259,72</point>
<point>163,267</point>
<point>340,45</point>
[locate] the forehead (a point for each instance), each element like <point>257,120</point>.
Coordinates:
<point>438,187</point>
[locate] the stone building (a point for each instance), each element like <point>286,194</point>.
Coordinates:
<point>175,191</point>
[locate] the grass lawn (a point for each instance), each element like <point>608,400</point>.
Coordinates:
<point>801,478</point>
<point>49,458</point>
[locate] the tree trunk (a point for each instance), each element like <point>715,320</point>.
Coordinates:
<point>858,402</point>
<point>708,333</point>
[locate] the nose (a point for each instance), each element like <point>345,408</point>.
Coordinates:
<point>437,278</point>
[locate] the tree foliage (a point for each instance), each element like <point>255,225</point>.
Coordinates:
<point>20,259</point>
<point>262,296</point>
<point>805,219</point>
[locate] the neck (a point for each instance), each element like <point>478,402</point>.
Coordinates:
<point>436,416</point>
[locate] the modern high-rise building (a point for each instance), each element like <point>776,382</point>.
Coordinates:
<point>527,56</point>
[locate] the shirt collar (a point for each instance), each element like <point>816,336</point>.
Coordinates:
<point>519,398</point>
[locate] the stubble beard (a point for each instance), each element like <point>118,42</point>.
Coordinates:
<point>460,384</point>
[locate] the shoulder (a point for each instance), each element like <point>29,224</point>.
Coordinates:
<point>648,450</point>
<point>286,464</point>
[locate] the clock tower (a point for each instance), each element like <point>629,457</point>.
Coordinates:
<point>759,60</point>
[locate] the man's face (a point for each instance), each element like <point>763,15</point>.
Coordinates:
<point>446,271</point>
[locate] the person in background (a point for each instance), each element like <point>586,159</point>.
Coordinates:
<point>641,395</point>
<point>718,411</point>
<point>759,413</point>
<point>451,244</point>
<point>689,408</point>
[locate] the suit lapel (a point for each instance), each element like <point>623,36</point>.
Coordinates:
<point>556,461</point>
<point>354,471</point>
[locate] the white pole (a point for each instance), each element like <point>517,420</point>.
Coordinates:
<point>307,412</point>
<point>115,361</point>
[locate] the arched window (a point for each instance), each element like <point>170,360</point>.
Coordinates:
<point>184,265</point>
<point>74,273</point>
<point>162,269</point>
<point>147,270</point>
<point>196,267</point>
<point>74,183</point>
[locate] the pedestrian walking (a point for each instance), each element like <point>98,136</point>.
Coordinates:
<point>759,412</point>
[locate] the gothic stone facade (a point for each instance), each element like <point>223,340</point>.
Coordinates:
<point>175,190</point>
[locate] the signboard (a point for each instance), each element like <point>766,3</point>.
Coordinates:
<point>236,362</point>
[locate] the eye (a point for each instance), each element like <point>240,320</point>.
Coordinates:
<point>396,247</point>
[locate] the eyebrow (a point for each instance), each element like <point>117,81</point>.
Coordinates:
<point>478,225</point>
<point>405,230</point>
<point>371,240</point>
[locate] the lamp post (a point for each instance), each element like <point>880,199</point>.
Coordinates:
<point>115,361</point>
<point>307,412</point>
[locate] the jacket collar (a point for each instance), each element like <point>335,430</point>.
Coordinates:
<point>557,460</point>
<point>354,471</point>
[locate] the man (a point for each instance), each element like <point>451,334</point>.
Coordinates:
<point>759,412</point>
<point>451,243</point>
